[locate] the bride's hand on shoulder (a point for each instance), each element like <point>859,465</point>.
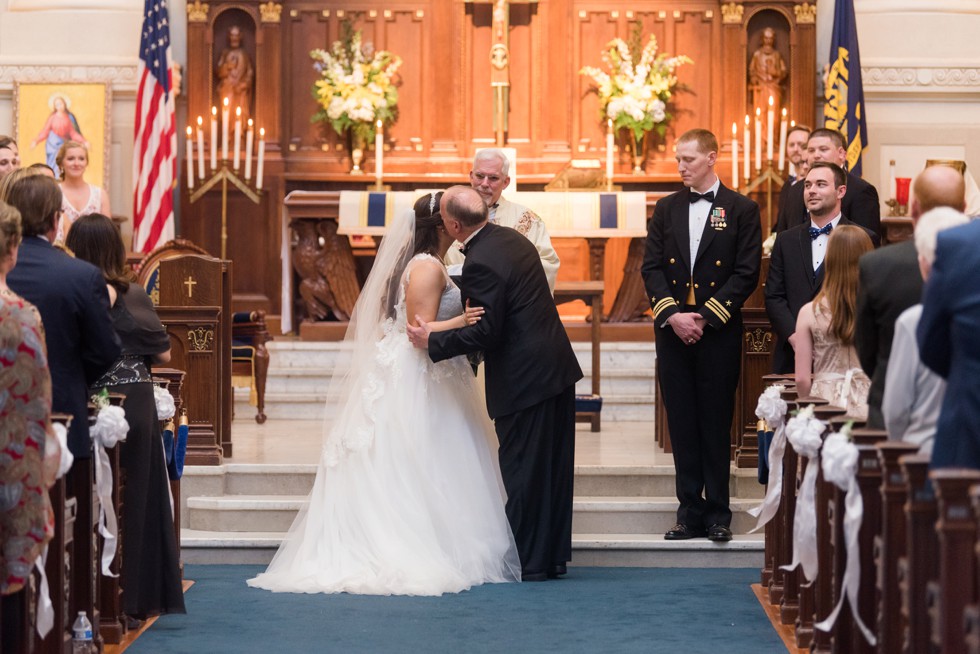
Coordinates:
<point>472,315</point>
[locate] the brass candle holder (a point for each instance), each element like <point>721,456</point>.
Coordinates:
<point>225,175</point>
<point>767,176</point>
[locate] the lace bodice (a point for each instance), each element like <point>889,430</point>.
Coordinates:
<point>450,304</point>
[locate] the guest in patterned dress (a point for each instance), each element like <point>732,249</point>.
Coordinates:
<point>151,582</point>
<point>26,517</point>
<point>827,364</point>
<point>79,198</point>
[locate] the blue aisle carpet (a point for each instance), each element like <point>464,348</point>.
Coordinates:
<point>681,611</point>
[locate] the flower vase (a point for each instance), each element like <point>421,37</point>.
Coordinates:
<point>639,150</point>
<point>356,152</point>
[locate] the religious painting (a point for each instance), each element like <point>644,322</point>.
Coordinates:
<point>46,114</point>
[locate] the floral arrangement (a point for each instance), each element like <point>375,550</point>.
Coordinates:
<point>356,86</point>
<point>635,92</point>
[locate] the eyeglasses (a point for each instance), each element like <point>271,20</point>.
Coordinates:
<point>493,179</point>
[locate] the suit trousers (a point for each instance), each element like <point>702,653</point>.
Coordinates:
<point>698,384</point>
<point>537,463</point>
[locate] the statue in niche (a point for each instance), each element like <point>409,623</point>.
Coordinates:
<point>767,71</point>
<point>235,74</point>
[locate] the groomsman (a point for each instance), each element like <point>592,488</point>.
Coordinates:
<point>860,203</point>
<point>703,253</point>
<point>796,139</point>
<point>796,265</point>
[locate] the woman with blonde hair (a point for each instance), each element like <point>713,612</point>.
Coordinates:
<point>79,198</point>
<point>827,364</point>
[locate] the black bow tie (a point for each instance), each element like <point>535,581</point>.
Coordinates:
<point>826,229</point>
<point>695,196</point>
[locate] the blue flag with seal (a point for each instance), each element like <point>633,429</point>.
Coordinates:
<point>844,93</point>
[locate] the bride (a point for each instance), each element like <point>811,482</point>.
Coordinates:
<point>407,498</point>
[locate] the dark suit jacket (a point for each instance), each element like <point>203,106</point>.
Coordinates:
<point>948,343</point>
<point>890,283</point>
<point>791,283</point>
<point>71,297</point>
<point>726,268</point>
<point>526,349</point>
<point>784,194</point>
<point>860,205</point>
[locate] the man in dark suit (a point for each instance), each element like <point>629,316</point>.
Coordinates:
<point>796,265</point>
<point>890,283</point>
<point>796,139</point>
<point>703,253</point>
<point>72,299</point>
<point>948,344</point>
<point>860,203</point>
<point>531,372</point>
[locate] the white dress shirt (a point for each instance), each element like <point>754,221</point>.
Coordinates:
<point>819,245</point>
<point>697,216</point>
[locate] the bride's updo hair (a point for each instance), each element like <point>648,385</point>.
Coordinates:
<point>428,223</point>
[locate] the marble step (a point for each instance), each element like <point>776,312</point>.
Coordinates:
<point>593,515</point>
<point>634,550</point>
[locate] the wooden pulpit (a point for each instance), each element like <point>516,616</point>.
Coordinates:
<point>195,307</point>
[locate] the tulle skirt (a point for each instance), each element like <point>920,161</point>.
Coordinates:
<point>407,498</point>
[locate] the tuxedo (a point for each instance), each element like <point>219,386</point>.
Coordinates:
<point>531,372</point>
<point>948,343</point>
<point>860,205</point>
<point>890,282</point>
<point>791,283</point>
<point>784,193</point>
<point>71,297</point>
<point>698,382</point>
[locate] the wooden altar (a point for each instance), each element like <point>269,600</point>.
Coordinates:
<point>446,100</point>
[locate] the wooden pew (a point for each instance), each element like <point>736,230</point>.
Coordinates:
<point>920,563</point>
<point>58,565</point>
<point>173,380</point>
<point>890,544</point>
<point>957,533</point>
<point>971,614</point>
<point>771,532</point>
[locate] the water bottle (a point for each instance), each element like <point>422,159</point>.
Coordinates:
<point>81,638</point>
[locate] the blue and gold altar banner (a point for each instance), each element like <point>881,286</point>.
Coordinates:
<point>576,215</point>
<point>844,94</point>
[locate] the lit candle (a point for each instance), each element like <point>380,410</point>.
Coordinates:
<point>782,141</point>
<point>758,138</point>
<point>214,138</point>
<point>792,166</point>
<point>224,130</point>
<point>261,164</point>
<point>238,137</point>
<point>609,151</point>
<point>379,149</point>
<point>735,156</point>
<point>249,137</point>
<point>745,151</point>
<point>190,159</point>
<point>200,148</point>
<point>770,126</point>
<point>891,179</point>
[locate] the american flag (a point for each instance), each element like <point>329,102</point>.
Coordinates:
<point>155,156</point>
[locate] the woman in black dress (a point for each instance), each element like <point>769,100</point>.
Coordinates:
<point>150,580</point>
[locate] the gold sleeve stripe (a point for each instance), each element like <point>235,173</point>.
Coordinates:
<point>663,304</point>
<point>718,310</point>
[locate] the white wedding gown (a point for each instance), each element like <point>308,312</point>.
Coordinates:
<point>407,498</point>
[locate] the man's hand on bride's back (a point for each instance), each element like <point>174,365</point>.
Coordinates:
<point>472,315</point>
<point>419,336</point>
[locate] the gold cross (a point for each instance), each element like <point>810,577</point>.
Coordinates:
<point>189,283</point>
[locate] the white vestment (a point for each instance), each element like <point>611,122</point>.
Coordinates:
<point>517,216</point>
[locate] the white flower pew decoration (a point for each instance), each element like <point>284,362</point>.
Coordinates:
<point>110,428</point>
<point>804,432</point>
<point>772,408</point>
<point>166,407</point>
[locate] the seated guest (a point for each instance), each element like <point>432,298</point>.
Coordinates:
<point>913,393</point>
<point>79,198</point>
<point>890,283</point>
<point>151,580</point>
<point>9,157</point>
<point>826,362</point>
<point>26,517</point>
<point>72,300</point>
<point>44,169</point>
<point>948,343</point>
<point>11,178</point>
<point>860,203</point>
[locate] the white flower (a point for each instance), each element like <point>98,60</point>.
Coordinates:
<point>839,458</point>
<point>165,403</point>
<point>804,432</point>
<point>110,426</point>
<point>61,434</point>
<point>771,406</point>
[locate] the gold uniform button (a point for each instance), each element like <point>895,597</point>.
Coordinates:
<point>718,263</point>
<point>712,284</point>
<point>675,282</point>
<point>687,284</point>
<point>696,286</point>
<point>672,260</point>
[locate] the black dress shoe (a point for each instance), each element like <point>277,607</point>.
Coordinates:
<point>719,533</point>
<point>683,532</point>
<point>557,570</point>
<point>534,576</point>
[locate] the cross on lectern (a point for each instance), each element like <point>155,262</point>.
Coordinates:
<point>500,62</point>
<point>189,283</point>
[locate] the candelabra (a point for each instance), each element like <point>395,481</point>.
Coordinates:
<point>767,176</point>
<point>225,175</point>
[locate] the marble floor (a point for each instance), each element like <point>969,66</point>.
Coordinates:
<point>298,441</point>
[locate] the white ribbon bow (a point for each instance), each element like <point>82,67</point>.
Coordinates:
<point>110,428</point>
<point>772,408</point>
<point>839,462</point>
<point>804,433</point>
